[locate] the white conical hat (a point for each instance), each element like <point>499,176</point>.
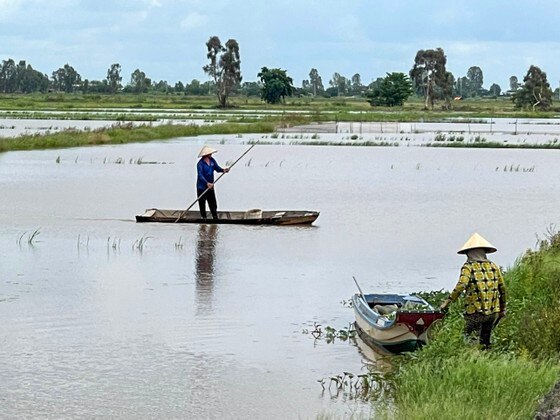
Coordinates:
<point>477,241</point>
<point>206,151</point>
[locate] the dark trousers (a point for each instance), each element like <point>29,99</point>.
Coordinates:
<point>480,326</point>
<point>209,197</point>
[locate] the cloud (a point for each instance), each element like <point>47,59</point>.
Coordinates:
<point>194,20</point>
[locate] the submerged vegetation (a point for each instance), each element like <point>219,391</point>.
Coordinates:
<point>452,379</point>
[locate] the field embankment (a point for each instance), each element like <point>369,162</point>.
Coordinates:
<point>452,379</point>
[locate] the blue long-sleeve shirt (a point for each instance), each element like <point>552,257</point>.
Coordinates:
<point>206,172</point>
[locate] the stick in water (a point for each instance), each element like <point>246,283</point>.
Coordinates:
<point>217,179</point>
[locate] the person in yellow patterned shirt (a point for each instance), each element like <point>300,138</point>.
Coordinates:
<point>482,282</point>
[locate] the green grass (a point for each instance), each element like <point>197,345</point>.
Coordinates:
<point>295,111</point>
<point>126,134</point>
<point>344,108</point>
<point>473,385</point>
<point>452,379</point>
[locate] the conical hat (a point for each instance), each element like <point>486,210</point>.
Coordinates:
<point>206,151</point>
<point>477,241</point>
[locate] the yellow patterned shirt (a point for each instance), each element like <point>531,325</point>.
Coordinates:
<point>483,284</point>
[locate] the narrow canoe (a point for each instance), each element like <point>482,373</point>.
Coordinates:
<point>250,217</point>
<point>396,323</point>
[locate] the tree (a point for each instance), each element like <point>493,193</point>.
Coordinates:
<point>315,82</point>
<point>8,76</point>
<point>535,91</point>
<point>179,87</point>
<point>463,86</point>
<point>357,86</point>
<point>224,67</point>
<point>114,77</point>
<point>340,83</point>
<point>428,73</point>
<point>139,82</point>
<point>444,90</point>
<point>251,89</point>
<point>195,88</point>
<point>495,90</point>
<point>31,80</point>
<point>66,78</point>
<point>513,83</point>
<point>276,85</point>
<point>162,86</point>
<point>476,79</point>
<point>393,90</point>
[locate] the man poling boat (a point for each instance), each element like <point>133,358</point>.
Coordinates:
<point>206,167</point>
<point>205,192</point>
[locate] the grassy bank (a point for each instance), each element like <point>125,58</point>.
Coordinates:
<point>452,379</point>
<point>125,134</point>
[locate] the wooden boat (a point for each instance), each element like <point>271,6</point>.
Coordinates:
<point>250,217</point>
<point>396,323</point>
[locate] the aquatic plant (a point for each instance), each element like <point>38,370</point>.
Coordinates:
<point>114,243</point>
<point>330,334</point>
<point>80,243</point>
<point>140,243</point>
<point>31,237</point>
<point>371,385</point>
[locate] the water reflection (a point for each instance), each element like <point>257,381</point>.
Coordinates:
<point>204,266</point>
<point>376,358</point>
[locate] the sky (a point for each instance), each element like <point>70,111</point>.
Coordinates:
<point>166,38</point>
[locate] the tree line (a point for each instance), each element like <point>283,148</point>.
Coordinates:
<point>428,78</point>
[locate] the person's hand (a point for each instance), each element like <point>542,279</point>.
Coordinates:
<point>210,185</point>
<point>445,305</point>
<point>226,170</point>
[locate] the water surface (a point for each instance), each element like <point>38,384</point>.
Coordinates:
<point>206,321</point>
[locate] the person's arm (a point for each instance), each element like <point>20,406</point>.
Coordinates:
<point>217,167</point>
<point>464,279</point>
<point>200,173</point>
<point>501,291</point>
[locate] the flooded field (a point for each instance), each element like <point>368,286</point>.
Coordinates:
<point>14,127</point>
<point>105,317</point>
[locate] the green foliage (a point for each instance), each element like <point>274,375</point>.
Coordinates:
<point>450,378</point>
<point>476,80</point>
<point>114,77</point>
<point>66,79</point>
<point>429,75</point>
<point>535,92</point>
<point>534,294</point>
<point>392,90</point>
<point>127,134</point>
<point>224,67</point>
<point>472,385</point>
<point>276,85</point>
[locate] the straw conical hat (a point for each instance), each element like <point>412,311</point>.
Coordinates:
<point>477,241</point>
<point>206,151</point>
